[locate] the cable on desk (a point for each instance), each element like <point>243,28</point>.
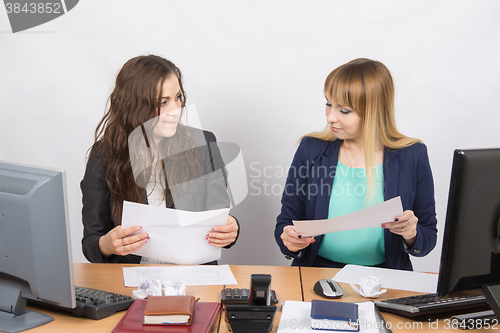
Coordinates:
<point>221,310</point>
<point>301,288</point>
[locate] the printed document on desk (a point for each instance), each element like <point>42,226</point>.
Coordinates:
<point>296,317</point>
<point>204,275</point>
<point>391,278</point>
<point>175,236</point>
<point>369,217</point>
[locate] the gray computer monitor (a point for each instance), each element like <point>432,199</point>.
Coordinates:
<point>35,248</point>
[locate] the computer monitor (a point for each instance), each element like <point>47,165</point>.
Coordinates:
<point>470,257</point>
<point>35,253</point>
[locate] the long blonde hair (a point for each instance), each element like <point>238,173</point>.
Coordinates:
<point>366,86</point>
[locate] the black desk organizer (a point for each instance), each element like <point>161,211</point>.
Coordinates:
<point>258,315</point>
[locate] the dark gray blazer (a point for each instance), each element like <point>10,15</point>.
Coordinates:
<point>200,194</point>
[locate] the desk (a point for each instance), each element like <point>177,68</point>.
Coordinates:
<point>398,323</point>
<point>286,282</point>
<point>109,277</point>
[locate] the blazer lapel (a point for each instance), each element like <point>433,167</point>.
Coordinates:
<point>391,174</point>
<point>327,163</point>
<point>391,179</point>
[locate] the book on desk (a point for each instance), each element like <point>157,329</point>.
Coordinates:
<point>169,310</point>
<point>334,316</point>
<point>204,317</point>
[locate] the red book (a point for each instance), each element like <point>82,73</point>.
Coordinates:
<point>205,314</point>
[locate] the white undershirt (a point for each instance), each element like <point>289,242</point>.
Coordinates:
<point>155,191</point>
<point>156,197</point>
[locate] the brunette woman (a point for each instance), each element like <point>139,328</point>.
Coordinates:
<point>163,162</point>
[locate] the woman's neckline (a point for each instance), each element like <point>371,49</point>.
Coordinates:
<point>345,166</point>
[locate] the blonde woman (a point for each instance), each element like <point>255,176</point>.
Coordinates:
<point>358,160</point>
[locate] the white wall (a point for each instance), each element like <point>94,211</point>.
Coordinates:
<point>255,71</point>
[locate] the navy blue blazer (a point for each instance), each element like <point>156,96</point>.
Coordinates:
<point>407,174</point>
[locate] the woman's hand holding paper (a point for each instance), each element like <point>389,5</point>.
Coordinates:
<point>293,241</point>
<point>225,235</point>
<point>122,241</point>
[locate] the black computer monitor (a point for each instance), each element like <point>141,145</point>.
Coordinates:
<point>35,252</point>
<point>471,245</point>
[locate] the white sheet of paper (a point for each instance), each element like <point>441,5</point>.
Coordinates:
<point>391,278</point>
<point>369,217</point>
<point>175,236</point>
<point>296,317</point>
<point>191,275</point>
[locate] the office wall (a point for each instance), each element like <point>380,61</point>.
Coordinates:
<point>255,71</point>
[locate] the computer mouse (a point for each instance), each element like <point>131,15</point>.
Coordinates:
<point>328,289</point>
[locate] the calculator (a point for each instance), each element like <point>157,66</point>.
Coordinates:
<point>240,296</point>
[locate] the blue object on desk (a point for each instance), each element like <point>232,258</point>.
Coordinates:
<point>334,316</point>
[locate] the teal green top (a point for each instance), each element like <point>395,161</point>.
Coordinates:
<point>362,246</point>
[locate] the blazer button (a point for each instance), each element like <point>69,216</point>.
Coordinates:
<point>288,257</point>
<point>416,251</point>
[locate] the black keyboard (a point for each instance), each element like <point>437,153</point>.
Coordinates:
<point>98,304</point>
<point>429,303</point>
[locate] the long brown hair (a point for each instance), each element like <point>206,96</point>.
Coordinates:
<point>133,102</point>
<point>366,86</point>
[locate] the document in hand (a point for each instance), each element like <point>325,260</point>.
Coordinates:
<point>334,316</point>
<point>175,236</point>
<point>369,217</point>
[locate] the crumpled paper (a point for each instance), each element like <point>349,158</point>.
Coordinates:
<point>369,287</point>
<point>173,288</point>
<point>150,287</point>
